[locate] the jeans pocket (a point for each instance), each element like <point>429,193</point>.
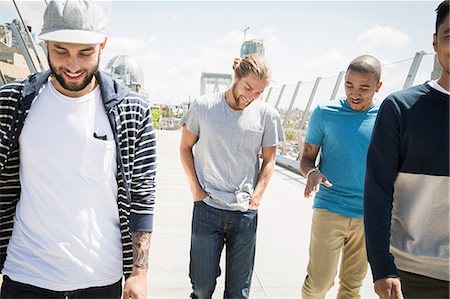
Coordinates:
<point>251,212</point>
<point>201,200</point>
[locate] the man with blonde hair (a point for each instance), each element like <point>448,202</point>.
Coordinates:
<point>222,136</point>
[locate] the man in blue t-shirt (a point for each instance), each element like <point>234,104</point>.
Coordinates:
<point>341,130</point>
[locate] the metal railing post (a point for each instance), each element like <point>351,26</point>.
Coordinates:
<point>437,69</point>
<point>413,69</point>
<point>294,97</point>
<point>304,116</point>
<point>23,47</point>
<point>2,78</point>
<point>337,85</point>
<point>202,85</point>
<point>268,94</point>
<point>30,38</point>
<point>280,95</point>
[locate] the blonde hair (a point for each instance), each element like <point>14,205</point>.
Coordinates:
<point>253,64</point>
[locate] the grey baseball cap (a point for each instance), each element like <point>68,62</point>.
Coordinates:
<point>73,21</point>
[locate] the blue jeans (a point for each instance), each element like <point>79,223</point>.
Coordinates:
<point>211,230</point>
<point>16,290</point>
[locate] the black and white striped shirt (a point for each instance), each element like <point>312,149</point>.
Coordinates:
<point>131,122</point>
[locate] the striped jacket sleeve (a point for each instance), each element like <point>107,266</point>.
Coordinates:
<point>143,175</point>
<point>9,95</point>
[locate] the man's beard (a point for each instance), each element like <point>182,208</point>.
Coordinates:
<point>73,86</point>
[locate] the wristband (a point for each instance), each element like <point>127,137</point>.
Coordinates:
<point>311,171</point>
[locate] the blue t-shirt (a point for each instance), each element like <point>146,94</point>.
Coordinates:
<point>343,135</point>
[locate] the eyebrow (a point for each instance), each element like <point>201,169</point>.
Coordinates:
<point>363,85</point>
<point>249,86</point>
<point>82,50</point>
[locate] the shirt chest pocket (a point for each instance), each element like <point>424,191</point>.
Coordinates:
<point>97,158</point>
<point>252,138</point>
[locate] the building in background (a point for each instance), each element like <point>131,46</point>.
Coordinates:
<point>13,63</point>
<point>252,46</point>
<point>128,71</point>
<point>214,82</point>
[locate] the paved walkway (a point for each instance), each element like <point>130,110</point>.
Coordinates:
<point>283,233</point>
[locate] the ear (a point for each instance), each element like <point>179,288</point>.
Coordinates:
<point>102,45</point>
<point>434,42</point>
<point>378,86</point>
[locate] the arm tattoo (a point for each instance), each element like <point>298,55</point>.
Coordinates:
<point>307,148</point>
<point>141,245</point>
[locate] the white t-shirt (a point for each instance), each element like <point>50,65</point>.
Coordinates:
<point>436,86</point>
<point>66,232</point>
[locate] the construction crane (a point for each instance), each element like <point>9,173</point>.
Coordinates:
<point>251,46</point>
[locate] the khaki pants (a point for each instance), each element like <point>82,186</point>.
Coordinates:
<point>332,233</point>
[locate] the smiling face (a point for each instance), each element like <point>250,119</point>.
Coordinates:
<point>441,44</point>
<point>360,89</point>
<point>245,90</point>
<point>73,66</point>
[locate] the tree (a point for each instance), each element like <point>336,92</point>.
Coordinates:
<point>156,115</point>
<point>291,135</point>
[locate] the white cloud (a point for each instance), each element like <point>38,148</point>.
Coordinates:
<point>268,31</point>
<point>168,17</point>
<point>233,38</point>
<point>140,48</point>
<point>273,43</point>
<point>183,79</point>
<point>383,37</point>
<point>330,63</point>
<point>177,83</point>
<point>173,17</point>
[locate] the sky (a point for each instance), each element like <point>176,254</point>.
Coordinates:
<point>175,41</point>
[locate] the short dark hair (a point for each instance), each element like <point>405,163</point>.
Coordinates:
<point>366,64</point>
<point>442,13</point>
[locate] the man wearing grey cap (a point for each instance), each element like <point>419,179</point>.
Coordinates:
<point>76,213</point>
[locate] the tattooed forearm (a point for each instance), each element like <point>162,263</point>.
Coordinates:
<point>141,246</point>
<point>307,148</point>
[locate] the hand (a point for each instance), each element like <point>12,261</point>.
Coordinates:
<point>135,287</point>
<point>315,178</point>
<point>253,206</point>
<point>199,195</point>
<point>388,288</point>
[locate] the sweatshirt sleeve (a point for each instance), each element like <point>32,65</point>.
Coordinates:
<point>382,167</point>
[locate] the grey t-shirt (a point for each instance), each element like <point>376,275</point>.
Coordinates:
<point>226,154</point>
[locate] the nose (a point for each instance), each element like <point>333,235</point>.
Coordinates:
<point>73,65</point>
<point>355,94</point>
